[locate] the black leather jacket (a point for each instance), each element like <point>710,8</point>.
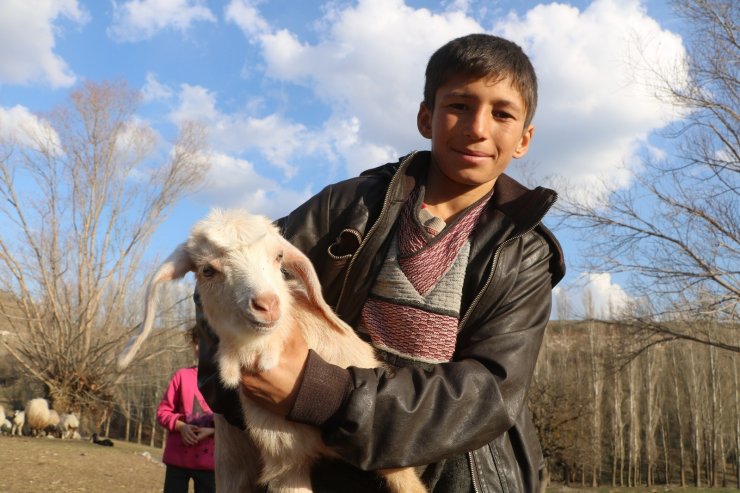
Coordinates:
<point>470,414</point>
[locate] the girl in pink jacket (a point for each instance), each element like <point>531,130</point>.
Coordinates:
<point>188,452</point>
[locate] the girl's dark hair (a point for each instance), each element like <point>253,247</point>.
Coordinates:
<point>193,334</point>
<point>482,55</point>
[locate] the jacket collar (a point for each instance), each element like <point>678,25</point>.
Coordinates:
<point>524,207</point>
<point>514,208</point>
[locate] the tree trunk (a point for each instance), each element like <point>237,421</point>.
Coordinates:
<point>666,455</point>
<point>679,419</point>
<point>139,426</point>
<point>737,422</point>
<point>694,408</point>
<point>596,389</point>
<point>128,421</point>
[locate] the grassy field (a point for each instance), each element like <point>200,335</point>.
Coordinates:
<point>43,465</point>
<point>35,465</point>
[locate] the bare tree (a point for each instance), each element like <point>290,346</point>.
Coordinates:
<point>678,228</point>
<point>80,196</point>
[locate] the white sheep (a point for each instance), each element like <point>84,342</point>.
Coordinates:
<point>239,261</point>
<point>52,424</point>
<point>6,426</point>
<point>19,419</point>
<point>68,424</point>
<point>39,417</point>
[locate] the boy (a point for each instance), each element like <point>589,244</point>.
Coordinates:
<point>441,262</point>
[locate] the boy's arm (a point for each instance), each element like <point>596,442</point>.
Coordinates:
<point>418,417</point>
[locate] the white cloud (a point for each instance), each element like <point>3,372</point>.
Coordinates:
<point>19,126</point>
<point>597,76</point>
<point>153,90</point>
<point>277,139</point>
<point>27,38</point>
<point>136,20</point>
<point>233,182</point>
<point>369,65</point>
<point>595,69</point>
<point>590,295</point>
<point>247,17</point>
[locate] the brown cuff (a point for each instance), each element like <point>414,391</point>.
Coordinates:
<point>322,392</point>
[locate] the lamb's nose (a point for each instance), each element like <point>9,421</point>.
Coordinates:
<point>267,306</point>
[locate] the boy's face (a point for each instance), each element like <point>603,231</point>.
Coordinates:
<point>476,127</point>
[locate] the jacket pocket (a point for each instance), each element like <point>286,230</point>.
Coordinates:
<point>345,245</point>
<point>339,254</point>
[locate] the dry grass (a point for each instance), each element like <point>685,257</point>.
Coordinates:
<point>33,465</point>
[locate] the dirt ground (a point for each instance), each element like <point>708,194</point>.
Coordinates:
<point>46,465</point>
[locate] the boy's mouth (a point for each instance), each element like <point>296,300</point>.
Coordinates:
<point>473,153</point>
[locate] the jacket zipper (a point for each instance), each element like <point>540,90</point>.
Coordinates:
<point>473,474</point>
<point>494,263</point>
<point>375,226</point>
<point>476,300</point>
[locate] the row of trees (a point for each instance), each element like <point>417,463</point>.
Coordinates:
<point>669,414</point>
<point>652,394</point>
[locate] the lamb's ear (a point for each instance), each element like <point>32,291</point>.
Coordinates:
<point>176,266</point>
<point>295,262</point>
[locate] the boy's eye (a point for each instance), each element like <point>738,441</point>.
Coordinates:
<point>458,106</point>
<point>502,115</point>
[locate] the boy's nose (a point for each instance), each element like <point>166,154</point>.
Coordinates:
<point>478,124</point>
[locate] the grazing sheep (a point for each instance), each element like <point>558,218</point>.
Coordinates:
<point>2,414</point>
<point>239,261</point>
<point>19,419</point>
<point>105,442</point>
<point>6,427</point>
<point>40,418</point>
<point>52,424</point>
<point>68,424</point>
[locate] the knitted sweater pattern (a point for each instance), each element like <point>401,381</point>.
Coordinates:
<point>414,306</point>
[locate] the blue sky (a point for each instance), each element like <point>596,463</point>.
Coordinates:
<point>297,95</point>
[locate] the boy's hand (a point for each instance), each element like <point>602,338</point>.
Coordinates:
<point>276,389</point>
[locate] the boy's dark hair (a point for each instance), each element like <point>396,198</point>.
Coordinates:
<point>482,55</point>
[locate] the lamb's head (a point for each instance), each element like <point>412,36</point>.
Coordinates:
<point>238,261</point>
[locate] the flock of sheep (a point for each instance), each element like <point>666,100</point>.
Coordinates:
<point>38,420</point>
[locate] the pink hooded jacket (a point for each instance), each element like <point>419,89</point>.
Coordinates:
<point>183,401</point>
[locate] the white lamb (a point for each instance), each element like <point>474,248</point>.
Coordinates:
<point>68,424</point>
<point>238,260</point>
<point>19,419</point>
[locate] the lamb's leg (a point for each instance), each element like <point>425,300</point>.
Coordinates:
<point>237,460</point>
<point>403,480</point>
<point>293,481</point>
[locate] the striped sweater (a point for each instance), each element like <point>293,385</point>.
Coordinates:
<point>414,306</point>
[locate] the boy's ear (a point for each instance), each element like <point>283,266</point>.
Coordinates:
<point>523,146</point>
<point>424,121</point>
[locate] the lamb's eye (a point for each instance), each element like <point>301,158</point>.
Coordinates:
<point>279,257</point>
<point>208,271</point>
